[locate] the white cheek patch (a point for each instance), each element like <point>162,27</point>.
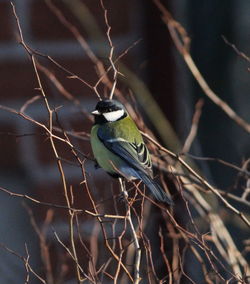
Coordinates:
<point>113,115</point>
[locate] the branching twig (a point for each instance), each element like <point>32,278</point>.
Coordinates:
<point>45,255</point>
<point>27,265</point>
<point>25,261</point>
<point>202,180</point>
<point>111,50</point>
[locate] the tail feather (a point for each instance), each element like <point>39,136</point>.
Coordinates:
<point>156,190</point>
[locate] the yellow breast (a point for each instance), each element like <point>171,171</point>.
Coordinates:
<point>105,158</point>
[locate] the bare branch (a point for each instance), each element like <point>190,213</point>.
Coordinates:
<point>202,180</point>
<point>25,261</point>
<point>137,260</point>
<point>25,196</point>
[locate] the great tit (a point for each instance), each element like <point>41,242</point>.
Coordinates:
<point>119,148</point>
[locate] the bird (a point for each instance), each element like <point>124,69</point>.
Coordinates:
<point>119,149</point>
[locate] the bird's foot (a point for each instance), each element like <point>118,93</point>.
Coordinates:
<point>123,196</point>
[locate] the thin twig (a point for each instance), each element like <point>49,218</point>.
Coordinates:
<point>105,215</point>
<point>163,253</point>
<point>25,261</point>
<point>194,127</point>
<point>237,168</point>
<point>25,196</point>
<point>71,255</point>
<point>116,60</point>
<point>45,255</point>
<point>237,51</point>
<point>202,180</point>
<point>110,249</point>
<point>81,41</point>
<point>137,260</point>
<point>27,265</point>
<point>29,102</point>
<point>111,52</point>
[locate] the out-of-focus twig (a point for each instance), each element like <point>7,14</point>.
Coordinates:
<point>234,197</point>
<point>29,102</point>
<point>182,42</point>
<point>45,255</point>
<point>25,260</point>
<point>163,253</point>
<point>221,237</point>
<point>230,165</point>
<point>194,127</point>
<point>202,180</point>
<point>240,53</point>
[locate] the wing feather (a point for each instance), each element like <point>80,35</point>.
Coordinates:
<point>135,154</point>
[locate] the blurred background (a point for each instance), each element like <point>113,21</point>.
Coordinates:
<point>154,73</point>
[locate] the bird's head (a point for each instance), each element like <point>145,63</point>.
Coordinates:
<point>109,111</point>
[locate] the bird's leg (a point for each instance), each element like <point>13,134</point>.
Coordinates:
<point>124,192</point>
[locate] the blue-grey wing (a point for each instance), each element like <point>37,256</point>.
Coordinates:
<point>137,161</point>
<point>136,155</point>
